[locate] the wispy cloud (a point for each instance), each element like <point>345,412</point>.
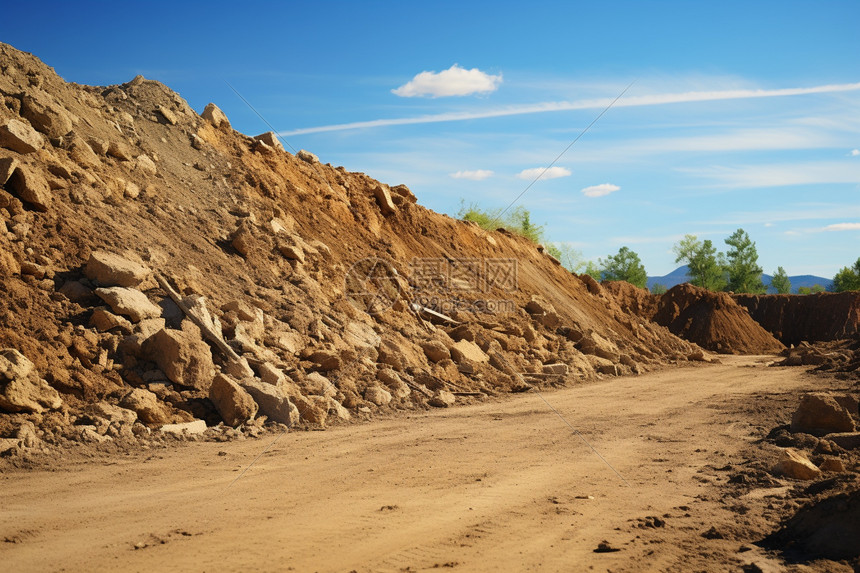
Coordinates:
<point>843,227</point>
<point>600,190</point>
<point>855,152</point>
<point>544,173</point>
<point>475,175</point>
<point>455,81</point>
<point>548,107</point>
<point>777,175</point>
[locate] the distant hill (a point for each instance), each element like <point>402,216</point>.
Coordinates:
<point>679,276</point>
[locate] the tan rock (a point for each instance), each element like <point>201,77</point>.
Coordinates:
<point>377,395</point>
<point>442,399</point>
<point>147,406</point>
<point>383,198</point>
<point>104,320</point>
<point>320,385</point>
<point>393,382</point>
<point>794,464</point>
<point>309,410</point>
<point>82,154</point>
<point>166,114</point>
<point>271,400</point>
<point>185,428</point>
<point>435,350</point>
<point>270,139</point>
<point>120,150</point>
<point>834,465</point>
<point>112,413</point>
<point>110,269</point>
<point>292,252</point>
<point>213,114</point>
<point>20,137</point>
<point>307,156</point>
<point>8,165</point>
<point>21,388</point>
<point>820,414</point>
<point>31,187</point>
<point>45,115</point>
<point>129,302</point>
<point>233,402</point>
<point>145,164</point>
<point>467,350</point>
<point>183,356</point>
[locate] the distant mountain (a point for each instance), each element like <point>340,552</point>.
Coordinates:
<point>679,276</point>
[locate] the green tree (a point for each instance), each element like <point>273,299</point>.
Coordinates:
<point>624,266</point>
<point>570,258</point>
<point>814,289</point>
<point>704,263</point>
<point>658,288</point>
<point>780,281</point>
<point>848,278</point>
<point>742,264</point>
<point>593,270</point>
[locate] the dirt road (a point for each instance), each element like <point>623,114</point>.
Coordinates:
<point>494,486</point>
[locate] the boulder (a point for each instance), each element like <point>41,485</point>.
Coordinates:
<point>20,137</point>
<point>183,356</point>
<point>320,385</point>
<point>30,187</point>
<point>820,414</point>
<point>185,428</point>
<point>557,369</point>
<point>466,350</point>
<point>166,114</point>
<point>120,150</point>
<point>270,139</point>
<point>326,359</point>
<point>435,350</point>
<point>293,252</point>
<point>45,115</point>
<point>104,320</point>
<point>794,464</point>
<point>110,269</point>
<point>310,410</point>
<point>8,165</point>
<point>112,413</point>
<point>383,198</point>
<point>21,388</point>
<point>271,400</point>
<point>594,344</point>
<point>233,402</point>
<point>307,156</point>
<point>145,164</point>
<point>393,382</point>
<point>442,399</point>
<point>148,408</point>
<point>377,395</point>
<point>213,114</point>
<point>129,302</point>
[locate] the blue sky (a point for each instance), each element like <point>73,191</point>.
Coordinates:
<point>741,114</point>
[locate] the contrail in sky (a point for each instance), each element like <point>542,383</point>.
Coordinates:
<point>546,107</point>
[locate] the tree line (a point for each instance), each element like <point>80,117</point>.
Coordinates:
<point>735,270</point>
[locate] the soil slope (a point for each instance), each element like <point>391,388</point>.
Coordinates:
<point>309,276</point>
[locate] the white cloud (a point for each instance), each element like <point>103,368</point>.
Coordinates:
<point>544,173</point>
<point>855,152</point>
<point>475,175</point>
<point>546,107</point>
<point>455,81</point>
<point>777,175</point>
<point>843,227</point>
<point>600,190</point>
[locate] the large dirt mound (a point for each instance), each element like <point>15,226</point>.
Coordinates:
<point>713,320</point>
<point>811,318</point>
<point>159,267</point>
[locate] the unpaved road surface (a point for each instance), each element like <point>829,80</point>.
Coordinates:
<point>497,486</point>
